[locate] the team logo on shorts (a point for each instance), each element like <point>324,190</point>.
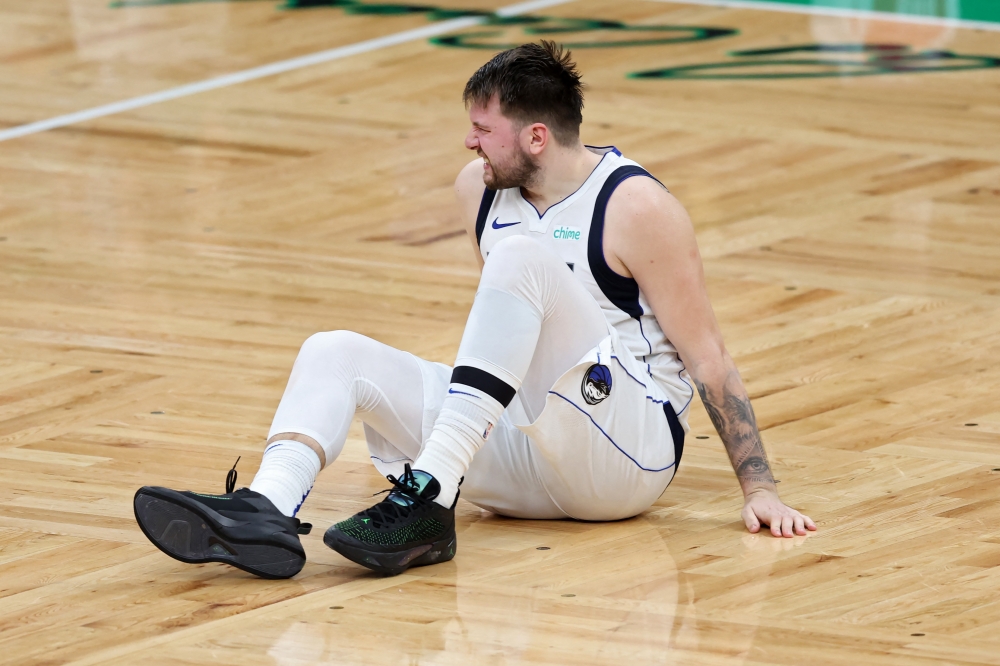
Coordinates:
<point>596,384</point>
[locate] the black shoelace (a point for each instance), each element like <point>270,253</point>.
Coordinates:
<point>387,512</point>
<point>231,477</point>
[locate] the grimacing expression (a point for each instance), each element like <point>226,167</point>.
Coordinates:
<point>495,138</point>
<point>513,170</point>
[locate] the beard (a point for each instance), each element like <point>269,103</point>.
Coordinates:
<point>519,171</point>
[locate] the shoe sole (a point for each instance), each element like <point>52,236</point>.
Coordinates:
<point>393,564</point>
<point>193,537</point>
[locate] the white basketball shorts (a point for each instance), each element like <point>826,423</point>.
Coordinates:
<point>605,446</point>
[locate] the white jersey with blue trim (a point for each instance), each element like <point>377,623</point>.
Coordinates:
<point>574,230</point>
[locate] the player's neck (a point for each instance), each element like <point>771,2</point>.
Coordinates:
<point>563,171</point>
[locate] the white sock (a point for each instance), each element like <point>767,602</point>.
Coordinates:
<point>466,419</point>
<point>286,474</point>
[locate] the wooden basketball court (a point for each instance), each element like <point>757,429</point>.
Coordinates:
<point>162,262</point>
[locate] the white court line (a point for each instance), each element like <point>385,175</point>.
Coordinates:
<point>838,11</point>
<point>270,70</point>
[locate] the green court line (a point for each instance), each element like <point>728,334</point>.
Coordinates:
<point>965,10</point>
<point>982,12</point>
<point>814,61</point>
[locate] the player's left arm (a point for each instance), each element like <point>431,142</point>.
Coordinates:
<point>649,236</point>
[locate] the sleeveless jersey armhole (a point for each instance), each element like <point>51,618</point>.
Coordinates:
<point>620,290</point>
<point>484,212</point>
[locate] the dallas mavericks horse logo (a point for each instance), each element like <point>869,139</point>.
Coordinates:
<point>596,384</point>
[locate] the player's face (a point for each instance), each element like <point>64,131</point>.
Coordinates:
<point>496,139</point>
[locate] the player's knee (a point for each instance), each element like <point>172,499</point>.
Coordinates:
<point>330,344</point>
<point>512,259</point>
<point>515,250</point>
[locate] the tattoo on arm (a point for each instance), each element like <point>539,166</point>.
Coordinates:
<point>733,417</point>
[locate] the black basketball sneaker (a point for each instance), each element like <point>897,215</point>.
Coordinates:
<point>406,529</point>
<point>241,528</point>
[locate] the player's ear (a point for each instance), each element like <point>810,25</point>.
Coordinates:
<point>538,137</point>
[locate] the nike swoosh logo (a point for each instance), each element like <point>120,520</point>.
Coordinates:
<point>501,226</point>
<point>451,390</point>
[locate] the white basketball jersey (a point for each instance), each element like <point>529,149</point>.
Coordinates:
<point>574,230</point>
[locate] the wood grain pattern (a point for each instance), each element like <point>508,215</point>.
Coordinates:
<point>161,268</point>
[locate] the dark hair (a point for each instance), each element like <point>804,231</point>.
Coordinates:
<point>534,83</point>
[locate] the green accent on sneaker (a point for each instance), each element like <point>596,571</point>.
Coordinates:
<point>222,497</point>
<point>422,478</point>
<point>424,528</point>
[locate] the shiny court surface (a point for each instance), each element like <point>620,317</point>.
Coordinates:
<point>162,265</point>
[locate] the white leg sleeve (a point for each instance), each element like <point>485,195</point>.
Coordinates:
<point>570,322</point>
<point>339,374</point>
<point>530,322</point>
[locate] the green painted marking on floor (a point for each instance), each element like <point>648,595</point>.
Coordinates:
<point>804,61</point>
<point>570,31</point>
<point>814,61</point>
<point>967,10</point>
<point>573,32</point>
<point>987,11</point>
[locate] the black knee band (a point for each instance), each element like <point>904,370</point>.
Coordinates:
<point>483,381</point>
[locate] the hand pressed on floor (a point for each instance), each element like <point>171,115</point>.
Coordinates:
<point>763,507</point>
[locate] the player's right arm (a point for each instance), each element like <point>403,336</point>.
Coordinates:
<point>649,236</point>
<point>469,188</point>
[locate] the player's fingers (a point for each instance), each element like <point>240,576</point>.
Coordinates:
<point>775,524</point>
<point>799,523</point>
<point>751,521</point>
<point>809,523</point>
<point>786,526</point>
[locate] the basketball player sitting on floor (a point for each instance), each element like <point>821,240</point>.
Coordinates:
<point>570,391</point>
